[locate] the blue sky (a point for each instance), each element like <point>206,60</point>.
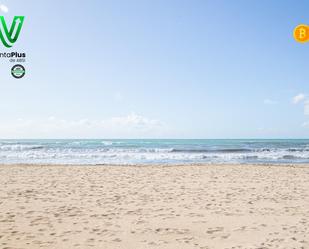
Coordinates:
<point>157,69</point>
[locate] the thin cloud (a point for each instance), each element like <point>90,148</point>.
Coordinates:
<point>302,98</point>
<point>298,98</point>
<point>4,8</point>
<point>118,97</point>
<point>270,102</point>
<point>306,107</point>
<point>305,124</point>
<point>128,126</point>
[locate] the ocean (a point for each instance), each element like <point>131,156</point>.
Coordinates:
<point>154,151</point>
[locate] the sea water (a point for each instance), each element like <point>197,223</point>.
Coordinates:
<point>154,151</point>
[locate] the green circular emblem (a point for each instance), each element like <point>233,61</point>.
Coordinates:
<point>18,71</point>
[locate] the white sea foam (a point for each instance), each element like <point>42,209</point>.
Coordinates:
<point>19,147</point>
<point>143,152</point>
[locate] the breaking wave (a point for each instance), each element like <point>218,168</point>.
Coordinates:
<point>153,151</point>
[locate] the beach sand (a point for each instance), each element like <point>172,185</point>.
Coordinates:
<point>207,206</point>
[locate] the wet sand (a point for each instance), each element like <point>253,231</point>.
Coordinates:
<point>132,207</point>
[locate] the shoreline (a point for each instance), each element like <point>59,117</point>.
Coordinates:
<point>166,206</point>
<point>157,164</point>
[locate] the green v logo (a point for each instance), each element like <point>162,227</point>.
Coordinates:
<point>10,36</point>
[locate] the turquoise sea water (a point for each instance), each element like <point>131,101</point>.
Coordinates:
<point>150,151</point>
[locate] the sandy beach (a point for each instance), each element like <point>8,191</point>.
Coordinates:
<point>130,207</point>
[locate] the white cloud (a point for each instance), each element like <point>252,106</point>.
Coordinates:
<point>129,126</point>
<point>134,121</point>
<point>4,8</point>
<point>298,98</point>
<point>270,102</point>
